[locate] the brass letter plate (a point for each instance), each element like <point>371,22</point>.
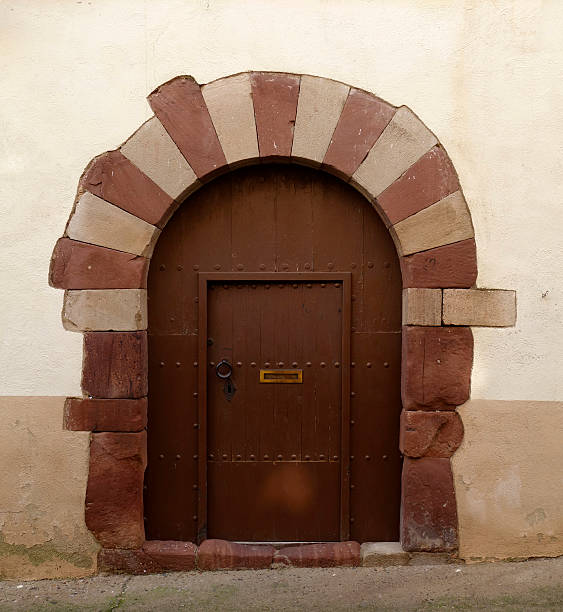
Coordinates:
<point>281,376</point>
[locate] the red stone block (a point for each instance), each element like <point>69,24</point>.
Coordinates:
<point>221,554</point>
<point>172,556</point>
<point>114,178</point>
<point>115,365</point>
<point>436,368</point>
<point>180,107</point>
<point>453,265</point>
<point>77,265</point>
<point>430,434</point>
<point>333,554</point>
<point>430,179</point>
<point>114,494</point>
<point>125,415</point>
<point>275,108</point>
<point>123,561</point>
<point>363,119</point>
<point>428,513</point>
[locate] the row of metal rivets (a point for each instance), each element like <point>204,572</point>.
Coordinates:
<point>280,364</point>
<point>280,457</point>
<point>284,266</point>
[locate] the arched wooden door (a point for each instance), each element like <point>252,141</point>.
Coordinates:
<point>288,276</point>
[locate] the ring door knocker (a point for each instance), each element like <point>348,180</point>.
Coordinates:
<point>224,371</point>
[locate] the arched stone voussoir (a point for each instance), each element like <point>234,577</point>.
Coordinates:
<point>319,108</point>
<point>444,222</point>
<point>229,102</point>
<point>152,150</point>
<point>115,179</point>
<point>275,96</point>
<point>181,108</point>
<point>404,141</point>
<point>98,222</point>
<point>361,123</point>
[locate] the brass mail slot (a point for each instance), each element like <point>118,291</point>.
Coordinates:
<point>281,376</point>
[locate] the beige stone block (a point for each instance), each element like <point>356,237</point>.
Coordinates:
<point>403,142</point>
<point>422,306</point>
<point>383,554</point>
<point>152,150</point>
<point>318,109</point>
<point>229,102</point>
<point>105,310</point>
<point>479,307</point>
<point>98,222</point>
<point>445,222</point>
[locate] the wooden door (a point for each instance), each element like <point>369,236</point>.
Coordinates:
<point>275,219</point>
<point>275,426</point>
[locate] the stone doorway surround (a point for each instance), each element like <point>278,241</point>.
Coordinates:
<point>126,196</point>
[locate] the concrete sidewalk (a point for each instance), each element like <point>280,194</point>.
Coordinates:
<point>529,585</point>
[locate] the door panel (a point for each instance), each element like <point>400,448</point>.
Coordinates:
<point>274,448</point>
<point>273,218</point>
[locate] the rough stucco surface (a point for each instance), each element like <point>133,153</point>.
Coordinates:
<point>43,472</point>
<point>508,479</point>
<point>483,76</point>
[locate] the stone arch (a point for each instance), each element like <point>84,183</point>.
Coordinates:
<point>125,198</point>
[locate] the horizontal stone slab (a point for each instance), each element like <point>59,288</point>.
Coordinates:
<point>330,554</point>
<point>479,307</point>
<point>383,554</point>
<point>96,221</point>
<point>118,415</point>
<point>221,554</point>
<point>422,306</point>
<point>105,310</point>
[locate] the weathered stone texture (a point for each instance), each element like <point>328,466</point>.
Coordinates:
<point>105,309</point>
<point>426,182</point>
<point>480,307</point>
<point>172,556</point>
<point>180,107</point>
<point>221,554</point>
<point>115,365</point>
<point>153,151</point>
<point>383,554</point>
<point>275,108</point>
<point>361,123</point>
<point>77,265</point>
<point>422,306</point>
<point>428,513</point>
<point>332,554</point>
<point>98,222</point>
<point>115,179</point>
<point>320,103</point>
<point>436,369</point>
<point>453,265</point>
<point>430,434</point>
<point>445,222</point>
<point>119,415</point>
<point>229,102</point>
<point>114,495</point>
<point>402,143</point>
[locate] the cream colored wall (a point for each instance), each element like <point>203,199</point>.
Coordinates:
<point>43,472</point>
<point>484,76</point>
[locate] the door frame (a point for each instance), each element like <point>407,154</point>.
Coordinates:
<point>204,278</point>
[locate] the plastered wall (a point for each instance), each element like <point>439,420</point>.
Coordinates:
<point>484,76</point>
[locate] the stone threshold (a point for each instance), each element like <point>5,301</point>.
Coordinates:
<point>156,556</point>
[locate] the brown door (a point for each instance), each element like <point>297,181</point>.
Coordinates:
<point>274,219</point>
<point>274,426</point>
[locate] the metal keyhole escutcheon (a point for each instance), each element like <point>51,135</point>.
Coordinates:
<point>224,371</point>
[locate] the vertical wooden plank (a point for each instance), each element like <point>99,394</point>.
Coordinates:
<point>201,454</point>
